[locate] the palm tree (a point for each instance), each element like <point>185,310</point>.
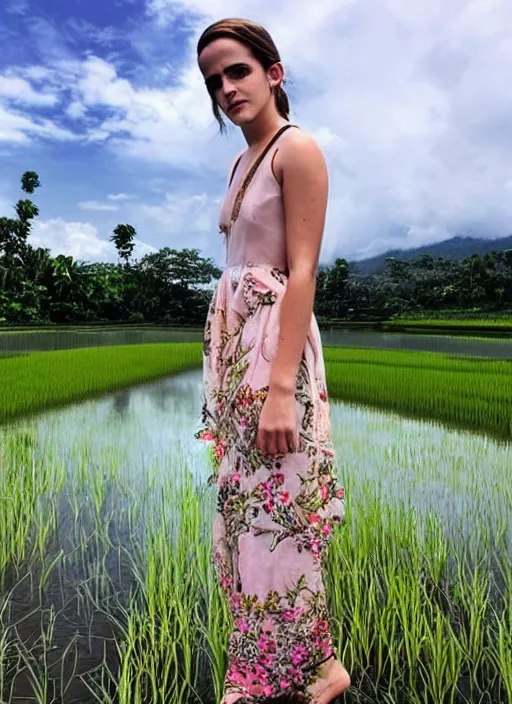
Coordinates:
<point>123,239</point>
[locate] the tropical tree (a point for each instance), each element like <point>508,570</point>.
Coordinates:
<point>123,239</point>
<point>172,285</point>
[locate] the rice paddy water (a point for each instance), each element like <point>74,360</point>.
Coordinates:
<point>16,341</point>
<point>107,589</point>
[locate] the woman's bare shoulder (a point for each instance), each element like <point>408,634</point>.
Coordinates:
<point>302,142</point>
<point>299,151</point>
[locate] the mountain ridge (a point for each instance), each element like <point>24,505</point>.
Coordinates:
<point>456,247</point>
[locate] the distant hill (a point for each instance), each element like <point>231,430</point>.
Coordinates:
<point>454,248</point>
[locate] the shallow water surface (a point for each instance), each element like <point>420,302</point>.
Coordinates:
<point>494,348</point>
<point>118,458</point>
<point>150,428</point>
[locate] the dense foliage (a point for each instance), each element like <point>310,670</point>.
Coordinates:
<point>480,284</point>
<point>174,286</point>
<point>168,286</point>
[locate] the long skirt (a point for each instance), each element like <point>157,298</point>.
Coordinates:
<point>275,515</point>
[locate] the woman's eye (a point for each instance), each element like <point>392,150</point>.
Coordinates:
<point>213,85</point>
<point>239,72</point>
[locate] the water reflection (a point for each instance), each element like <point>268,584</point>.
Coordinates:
<point>498,348</point>
<point>427,465</point>
<point>458,477</point>
<point>145,425</point>
<point>118,452</point>
<point>63,339</point>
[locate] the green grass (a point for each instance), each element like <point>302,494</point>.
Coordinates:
<point>466,392</point>
<point>496,324</point>
<point>44,380</point>
<point>416,617</point>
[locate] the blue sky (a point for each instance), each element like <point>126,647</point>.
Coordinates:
<point>409,101</point>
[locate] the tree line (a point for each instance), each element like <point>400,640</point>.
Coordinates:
<point>424,284</point>
<point>175,286</point>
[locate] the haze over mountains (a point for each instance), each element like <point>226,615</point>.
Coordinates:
<point>453,248</point>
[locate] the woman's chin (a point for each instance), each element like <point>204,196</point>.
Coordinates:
<point>241,116</point>
<point>241,120</point>
<point>237,118</point>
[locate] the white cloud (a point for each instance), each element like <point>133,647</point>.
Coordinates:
<point>17,7</point>
<point>36,73</point>
<point>120,196</point>
<point>16,128</point>
<point>22,126</point>
<point>20,91</point>
<point>181,212</point>
<point>406,99</point>
<point>185,220</point>
<point>96,205</point>
<point>98,135</point>
<point>150,124</point>
<point>76,110</point>
<point>80,240</point>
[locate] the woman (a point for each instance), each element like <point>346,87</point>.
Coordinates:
<point>266,409</point>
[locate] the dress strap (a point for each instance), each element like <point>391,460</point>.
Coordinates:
<point>247,180</point>
<point>235,167</point>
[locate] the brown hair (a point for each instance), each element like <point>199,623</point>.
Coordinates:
<point>258,40</point>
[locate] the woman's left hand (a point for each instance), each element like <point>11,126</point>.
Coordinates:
<point>277,429</point>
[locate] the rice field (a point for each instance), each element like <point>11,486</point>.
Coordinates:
<point>107,591</point>
<point>469,393</point>
<point>45,380</point>
<point>109,595</point>
<point>501,323</point>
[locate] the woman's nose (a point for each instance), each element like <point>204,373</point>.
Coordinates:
<point>227,86</point>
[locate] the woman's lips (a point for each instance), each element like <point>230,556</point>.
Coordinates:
<point>237,105</point>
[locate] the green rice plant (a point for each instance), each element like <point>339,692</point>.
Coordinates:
<point>25,524</point>
<point>500,649</point>
<point>469,393</point>
<point>503,324</point>
<point>45,380</point>
<point>403,635</point>
<point>160,654</point>
<point>415,617</point>
<point>420,606</point>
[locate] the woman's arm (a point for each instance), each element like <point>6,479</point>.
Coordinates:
<point>305,190</point>
<point>303,175</point>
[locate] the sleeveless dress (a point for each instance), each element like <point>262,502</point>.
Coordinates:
<point>274,515</point>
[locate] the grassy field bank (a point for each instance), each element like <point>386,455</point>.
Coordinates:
<point>456,325</point>
<point>42,380</point>
<point>469,393</point>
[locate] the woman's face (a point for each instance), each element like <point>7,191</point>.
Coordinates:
<point>236,80</point>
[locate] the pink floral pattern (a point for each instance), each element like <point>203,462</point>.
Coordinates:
<point>275,515</point>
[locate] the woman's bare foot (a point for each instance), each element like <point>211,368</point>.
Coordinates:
<point>333,680</point>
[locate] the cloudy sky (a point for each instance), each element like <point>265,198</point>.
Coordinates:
<point>410,101</point>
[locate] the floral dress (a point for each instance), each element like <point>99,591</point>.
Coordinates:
<point>275,514</point>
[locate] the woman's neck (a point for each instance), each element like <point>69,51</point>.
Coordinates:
<point>258,133</point>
